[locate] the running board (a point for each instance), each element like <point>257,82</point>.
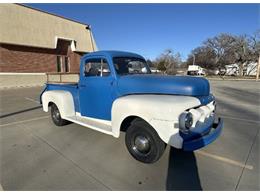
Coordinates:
<point>96,124</point>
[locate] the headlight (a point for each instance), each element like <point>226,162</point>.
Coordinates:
<point>185,121</point>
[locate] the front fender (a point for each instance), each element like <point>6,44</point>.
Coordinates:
<point>160,111</point>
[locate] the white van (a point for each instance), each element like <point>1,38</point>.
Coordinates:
<point>195,70</point>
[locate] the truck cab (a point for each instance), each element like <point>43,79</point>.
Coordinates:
<point>117,92</point>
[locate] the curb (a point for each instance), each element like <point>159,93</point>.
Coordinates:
<point>219,79</point>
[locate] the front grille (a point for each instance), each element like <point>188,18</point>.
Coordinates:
<point>201,113</point>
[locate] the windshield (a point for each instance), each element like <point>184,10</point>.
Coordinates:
<point>130,65</point>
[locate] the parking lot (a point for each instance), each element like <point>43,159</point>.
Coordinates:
<point>37,155</point>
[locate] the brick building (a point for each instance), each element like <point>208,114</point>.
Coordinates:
<point>35,41</point>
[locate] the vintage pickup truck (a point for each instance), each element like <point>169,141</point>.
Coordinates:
<point>117,93</point>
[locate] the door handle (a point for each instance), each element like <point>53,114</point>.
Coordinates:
<point>82,85</point>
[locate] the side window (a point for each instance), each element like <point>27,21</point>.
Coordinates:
<point>96,67</point>
<point>67,64</point>
<point>59,64</point>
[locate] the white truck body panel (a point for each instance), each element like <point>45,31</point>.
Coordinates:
<point>63,100</point>
<point>160,111</point>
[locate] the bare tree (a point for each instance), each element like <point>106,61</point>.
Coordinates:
<point>246,50</point>
<point>204,56</point>
<point>168,61</point>
<point>241,52</point>
<point>215,52</point>
<point>227,49</point>
<point>221,46</point>
<point>254,46</point>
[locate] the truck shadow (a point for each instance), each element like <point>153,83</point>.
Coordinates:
<point>20,111</point>
<point>182,171</point>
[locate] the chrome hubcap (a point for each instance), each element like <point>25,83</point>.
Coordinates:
<point>141,144</point>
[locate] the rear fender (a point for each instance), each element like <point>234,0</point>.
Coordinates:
<point>62,99</point>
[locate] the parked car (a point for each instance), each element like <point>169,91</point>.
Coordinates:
<point>153,110</point>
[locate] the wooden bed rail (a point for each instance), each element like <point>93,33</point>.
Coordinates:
<point>60,76</point>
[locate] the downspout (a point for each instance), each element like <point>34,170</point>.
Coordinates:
<point>91,37</point>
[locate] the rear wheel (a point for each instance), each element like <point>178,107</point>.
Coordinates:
<point>143,142</point>
<point>56,117</point>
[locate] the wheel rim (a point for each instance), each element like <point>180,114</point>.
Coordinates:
<point>141,145</point>
<point>56,114</point>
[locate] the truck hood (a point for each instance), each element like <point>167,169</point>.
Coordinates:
<point>161,84</point>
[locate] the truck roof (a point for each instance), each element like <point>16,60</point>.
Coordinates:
<point>114,53</point>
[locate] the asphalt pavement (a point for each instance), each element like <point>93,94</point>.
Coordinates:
<point>37,155</point>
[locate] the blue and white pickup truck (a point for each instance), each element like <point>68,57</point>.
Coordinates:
<point>117,93</point>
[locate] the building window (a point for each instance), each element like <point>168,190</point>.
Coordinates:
<point>67,64</point>
<point>59,63</point>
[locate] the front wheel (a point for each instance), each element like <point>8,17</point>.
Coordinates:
<point>143,142</point>
<point>56,117</point>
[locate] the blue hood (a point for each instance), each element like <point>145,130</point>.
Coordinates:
<point>160,84</point>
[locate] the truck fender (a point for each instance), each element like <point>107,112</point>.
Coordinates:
<point>62,99</point>
<point>121,109</point>
<point>159,111</point>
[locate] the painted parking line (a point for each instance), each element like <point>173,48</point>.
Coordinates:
<point>226,160</point>
<point>24,121</point>
<point>32,100</point>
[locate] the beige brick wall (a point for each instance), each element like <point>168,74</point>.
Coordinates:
<point>8,80</point>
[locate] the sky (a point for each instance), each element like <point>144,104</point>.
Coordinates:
<point>149,29</point>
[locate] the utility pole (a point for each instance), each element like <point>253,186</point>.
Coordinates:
<point>193,59</point>
<point>258,69</point>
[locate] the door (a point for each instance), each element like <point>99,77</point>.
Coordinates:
<point>96,89</point>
